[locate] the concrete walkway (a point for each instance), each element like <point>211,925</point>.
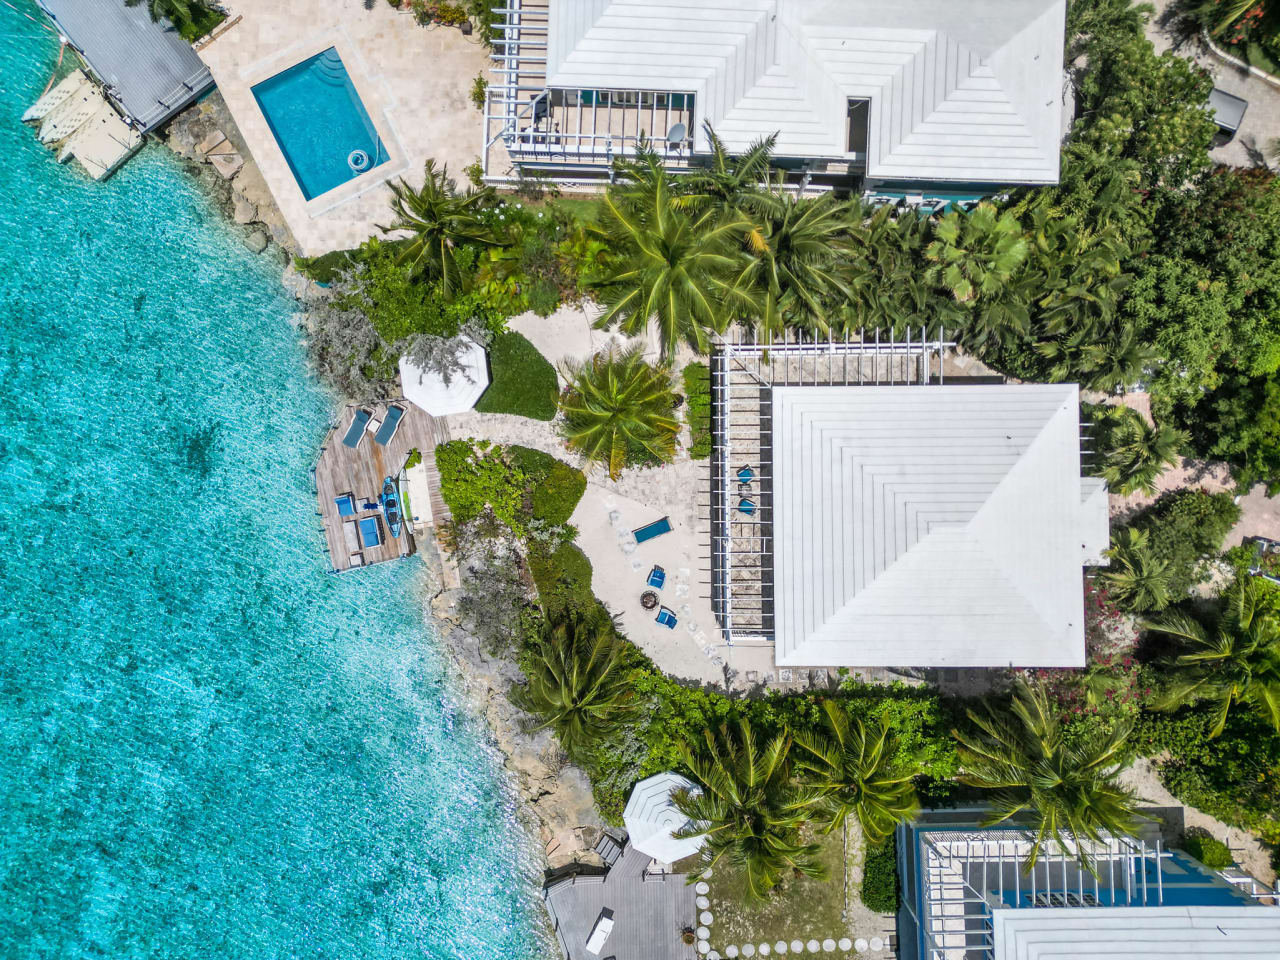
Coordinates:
<point>1262,118</point>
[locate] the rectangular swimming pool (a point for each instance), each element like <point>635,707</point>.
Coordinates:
<point>320,123</point>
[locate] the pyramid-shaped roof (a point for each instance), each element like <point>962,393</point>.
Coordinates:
<point>930,526</point>
<point>960,91</point>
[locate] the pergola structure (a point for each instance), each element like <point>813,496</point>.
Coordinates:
<point>744,371</point>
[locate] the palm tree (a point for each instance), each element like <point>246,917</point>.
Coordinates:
<point>181,13</point>
<point>1135,452</point>
<point>1138,581</point>
<point>1234,662</point>
<point>791,272</point>
<point>1066,789</point>
<point>578,683</point>
<point>439,219</point>
<point>749,809</point>
<point>727,181</point>
<point>668,263</point>
<point>977,253</point>
<point>858,772</point>
<point>618,409</point>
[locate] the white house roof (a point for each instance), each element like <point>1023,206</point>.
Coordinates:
<point>960,91</point>
<point>1136,933</point>
<point>931,526</point>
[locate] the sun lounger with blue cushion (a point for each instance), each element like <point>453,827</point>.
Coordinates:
<point>667,618</point>
<point>370,532</point>
<point>356,430</point>
<point>389,426</point>
<point>346,505</point>
<point>651,530</point>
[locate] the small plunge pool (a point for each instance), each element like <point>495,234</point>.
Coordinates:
<point>320,123</point>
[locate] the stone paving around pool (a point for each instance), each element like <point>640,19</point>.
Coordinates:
<point>414,82</point>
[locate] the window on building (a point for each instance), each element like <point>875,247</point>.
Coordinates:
<point>859,114</point>
<point>1065,900</point>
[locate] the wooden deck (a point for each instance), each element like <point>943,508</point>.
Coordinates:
<point>361,471</point>
<point>649,911</point>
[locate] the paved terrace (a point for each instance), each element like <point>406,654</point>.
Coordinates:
<point>361,471</point>
<point>414,82</point>
<point>649,911</point>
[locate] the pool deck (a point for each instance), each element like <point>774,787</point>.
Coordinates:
<point>361,471</point>
<point>414,81</point>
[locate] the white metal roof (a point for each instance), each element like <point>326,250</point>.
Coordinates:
<point>960,90</point>
<point>930,526</point>
<point>1136,933</point>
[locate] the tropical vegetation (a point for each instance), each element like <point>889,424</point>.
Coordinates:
<point>192,18</point>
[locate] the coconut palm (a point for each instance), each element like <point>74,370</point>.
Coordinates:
<point>668,263</point>
<point>1137,581</point>
<point>857,771</point>
<point>730,182</point>
<point>791,272</point>
<point>1066,790</point>
<point>438,220</point>
<point>1235,661</point>
<point>578,682</point>
<point>618,410</point>
<point>1135,452</point>
<point>749,808</point>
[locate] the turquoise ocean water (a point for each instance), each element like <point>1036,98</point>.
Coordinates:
<point>209,747</point>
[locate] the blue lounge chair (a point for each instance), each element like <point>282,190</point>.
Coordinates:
<point>370,532</point>
<point>346,505</point>
<point>389,426</point>
<point>747,506</point>
<point>746,475</point>
<point>651,530</point>
<point>657,577</point>
<point>667,618</point>
<point>356,430</point>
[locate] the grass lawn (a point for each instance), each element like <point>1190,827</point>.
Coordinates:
<point>797,908</point>
<point>524,383</point>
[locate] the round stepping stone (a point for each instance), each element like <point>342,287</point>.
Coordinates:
<point>730,951</point>
<point>705,918</point>
<point>765,949</point>
<point>748,949</point>
<point>846,944</point>
<point>706,875</point>
<point>813,946</point>
<point>860,944</point>
<point>797,946</point>
<point>828,945</point>
<point>713,955</point>
<point>780,947</point>
<point>703,933</point>
<point>877,944</point>
<point>702,903</point>
<point>704,947</point>
<point>701,888</point>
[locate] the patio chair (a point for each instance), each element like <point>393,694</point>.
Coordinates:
<point>747,507</point>
<point>657,577</point>
<point>746,475</point>
<point>346,505</point>
<point>389,426</point>
<point>667,618</point>
<point>358,422</point>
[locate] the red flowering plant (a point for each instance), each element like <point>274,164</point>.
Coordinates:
<point>1238,23</point>
<point>1112,684</point>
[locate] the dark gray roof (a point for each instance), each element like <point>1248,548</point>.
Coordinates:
<point>149,70</point>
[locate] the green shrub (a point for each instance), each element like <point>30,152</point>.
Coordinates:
<point>554,487</point>
<point>474,477</point>
<point>697,408</point>
<point>415,458</point>
<point>523,383</point>
<point>1186,529</point>
<point>563,579</point>
<point>1210,851</point>
<point>880,877</point>
<point>326,267</point>
<point>479,87</point>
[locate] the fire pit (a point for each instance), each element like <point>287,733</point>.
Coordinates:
<point>648,599</point>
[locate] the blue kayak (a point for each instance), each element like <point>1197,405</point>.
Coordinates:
<point>391,506</point>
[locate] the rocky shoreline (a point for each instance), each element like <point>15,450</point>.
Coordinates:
<point>555,800</point>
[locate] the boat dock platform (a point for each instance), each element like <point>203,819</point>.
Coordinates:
<point>360,452</point>
<point>80,123</point>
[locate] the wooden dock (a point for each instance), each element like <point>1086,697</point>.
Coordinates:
<point>360,472</point>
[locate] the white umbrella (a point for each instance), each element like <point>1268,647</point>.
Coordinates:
<point>651,818</point>
<point>429,391</point>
